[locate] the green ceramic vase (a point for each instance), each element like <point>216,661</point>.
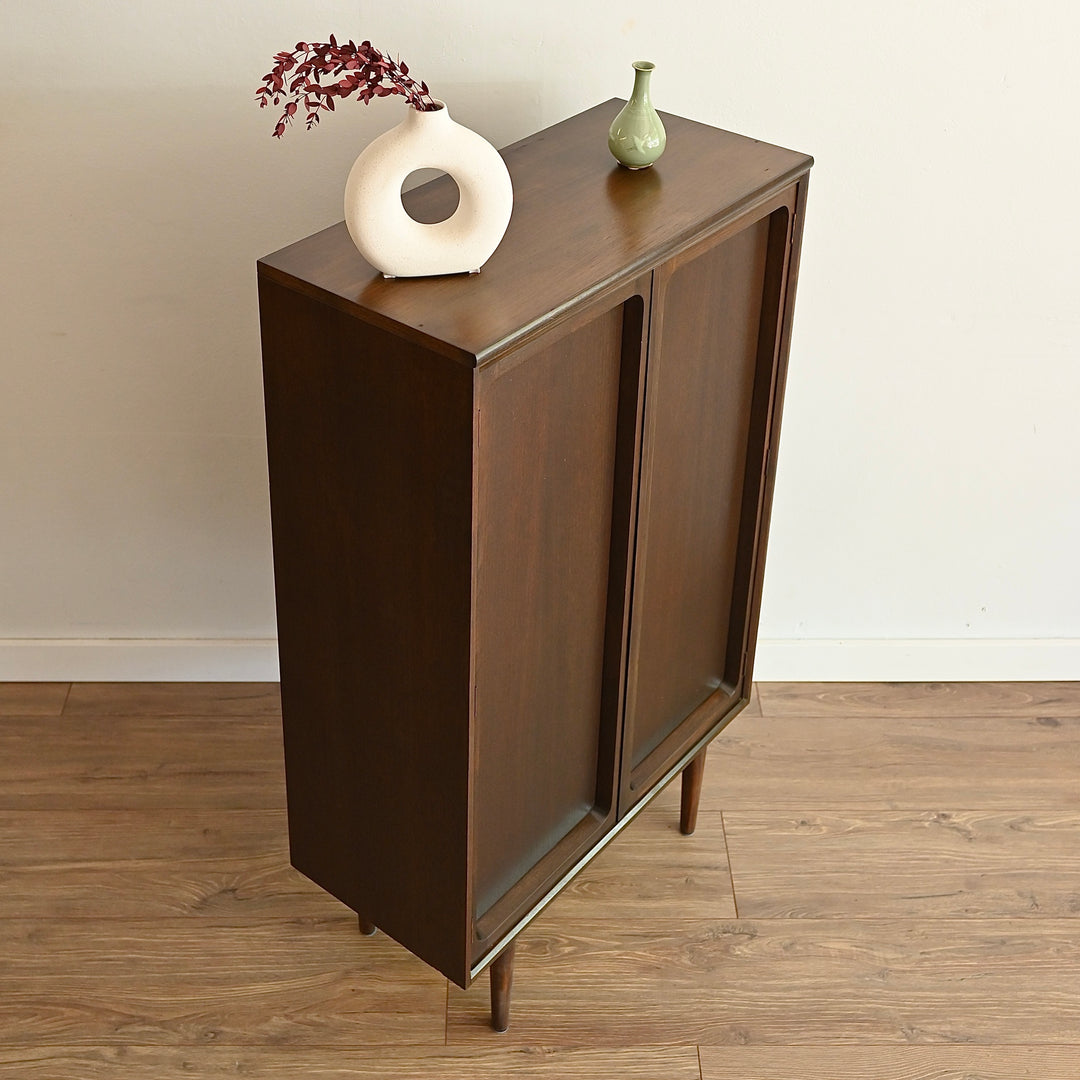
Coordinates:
<point>637,137</point>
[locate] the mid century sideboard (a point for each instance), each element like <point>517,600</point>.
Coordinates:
<point>519,525</point>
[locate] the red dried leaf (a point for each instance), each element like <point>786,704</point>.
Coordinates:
<point>362,69</point>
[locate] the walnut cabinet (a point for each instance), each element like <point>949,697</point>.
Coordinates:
<point>519,524</point>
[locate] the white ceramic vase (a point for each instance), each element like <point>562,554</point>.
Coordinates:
<point>380,226</point>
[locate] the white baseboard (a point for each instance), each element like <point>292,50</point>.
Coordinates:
<point>255,660</point>
<point>918,660</point>
<point>138,660</point>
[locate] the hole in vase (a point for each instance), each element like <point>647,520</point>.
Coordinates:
<point>429,195</point>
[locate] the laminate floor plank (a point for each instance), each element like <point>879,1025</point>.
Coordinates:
<point>944,699</point>
<point>808,982</point>
<point>67,864</point>
<point>285,1063</point>
<point>191,982</point>
<point>801,764</point>
<point>33,699</point>
<point>890,1062</point>
<point>905,859</point>
<point>652,871</point>
<point>117,762</point>
<point>912,865</point>
<point>173,699</point>
<point>164,863</point>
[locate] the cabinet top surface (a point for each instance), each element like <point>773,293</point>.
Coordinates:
<point>580,223</point>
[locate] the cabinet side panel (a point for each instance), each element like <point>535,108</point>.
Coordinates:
<point>546,469</point>
<point>370,451</point>
<point>703,365</point>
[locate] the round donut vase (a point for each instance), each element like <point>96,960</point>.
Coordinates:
<point>381,228</point>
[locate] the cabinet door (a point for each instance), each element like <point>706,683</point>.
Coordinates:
<point>713,355</point>
<point>556,456</point>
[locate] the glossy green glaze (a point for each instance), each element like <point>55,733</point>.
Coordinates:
<point>637,137</point>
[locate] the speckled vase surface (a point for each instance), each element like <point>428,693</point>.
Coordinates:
<point>637,137</point>
<point>381,228</point>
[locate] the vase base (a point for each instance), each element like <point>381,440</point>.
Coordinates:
<point>393,277</point>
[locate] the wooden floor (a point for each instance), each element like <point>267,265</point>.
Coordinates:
<point>885,883</point>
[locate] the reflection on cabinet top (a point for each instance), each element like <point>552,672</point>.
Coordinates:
<point>580,223</point>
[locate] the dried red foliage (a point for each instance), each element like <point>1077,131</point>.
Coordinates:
<point>297,77</point>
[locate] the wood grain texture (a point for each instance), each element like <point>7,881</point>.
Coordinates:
<point>930,864</point>
<point>152,864</point>
<point>890,1062</point>
<point>33,699</point>
<point>893,762</point>
<point>1050,699</point>
<point>198,981</point>
<point>113,762</point>
<point>549,433</point>
<point>454,478</point>
<point>580,222</point>
<point>808,982</point>
<point>287,1063</point>
<point>701,380</point>
<point>370,444</point>
<point>163,943</point>
<point>173,699</point>
<point>651,871</point>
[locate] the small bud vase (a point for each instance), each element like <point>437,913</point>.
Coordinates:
<point>382,229</point>
<point>637,137</point>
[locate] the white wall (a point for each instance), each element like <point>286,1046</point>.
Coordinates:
<point>927,513</point>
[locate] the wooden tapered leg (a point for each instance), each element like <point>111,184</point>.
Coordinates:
<point>502,979</point>
<point>366,928</point>
<point>692,776</point>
